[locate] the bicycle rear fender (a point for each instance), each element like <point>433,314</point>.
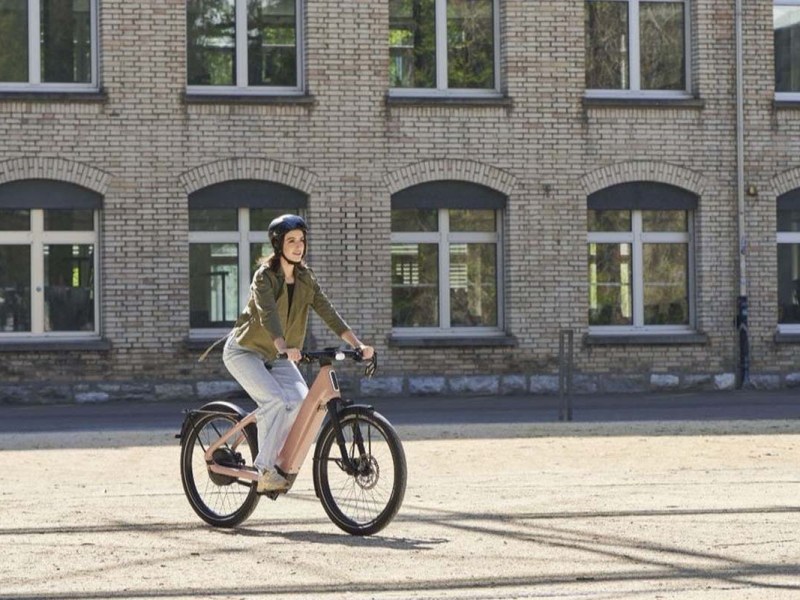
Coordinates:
<point>350,409</point>
<point>217,406</point>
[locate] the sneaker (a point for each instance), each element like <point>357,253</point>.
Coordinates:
<point>272,481</point>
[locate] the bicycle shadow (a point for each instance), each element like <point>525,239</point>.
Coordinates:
<point>339,539</point>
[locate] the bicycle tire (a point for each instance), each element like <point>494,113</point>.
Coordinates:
<point>361,504</point>
<point>218,500</point>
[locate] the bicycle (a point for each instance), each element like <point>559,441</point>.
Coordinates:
<point>359,465</point>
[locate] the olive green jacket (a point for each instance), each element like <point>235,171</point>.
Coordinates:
<point>267,315</point>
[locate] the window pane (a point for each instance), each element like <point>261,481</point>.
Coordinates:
<point>14,33</point>
<point>260,218</point>
<point>69,220</point>
<point>211,42</point>
<point>786,25</point>
<point>470,44</point>
<point>69,287</point>
<point>606,39</point>
<point>473,285</point>
<point>666,284</point>
<point>415,287</point>
<point>789,220</point>
<point>661,46</point>
<point>271,42</point>
<point>257,252</point>
<point>214,219</point>
<point>609,220</point>
<point>415,219</point>
<point>664,220</point>
<point>213,285</point>
<point>15,288</point>
<point>788,283</point>
<point>66,41</point>
<point>472,220</point>
<point>412,43</point>
<point>15,220</point>
<point>610,291</point>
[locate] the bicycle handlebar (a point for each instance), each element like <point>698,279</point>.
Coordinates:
<point>330,354</point>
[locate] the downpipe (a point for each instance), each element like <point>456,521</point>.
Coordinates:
<point>742,301</point>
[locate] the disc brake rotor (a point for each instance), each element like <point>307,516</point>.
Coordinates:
<point>368,473</point>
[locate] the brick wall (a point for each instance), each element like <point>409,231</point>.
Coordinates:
<point>145,149</point>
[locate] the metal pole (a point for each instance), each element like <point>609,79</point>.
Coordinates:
<point>742,304</point>
<point>565,359</point>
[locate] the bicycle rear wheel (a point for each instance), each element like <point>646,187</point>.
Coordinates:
<point>364,502</point>
<point>219,500</point>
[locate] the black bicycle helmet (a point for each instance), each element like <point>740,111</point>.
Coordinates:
<point>282,225</point>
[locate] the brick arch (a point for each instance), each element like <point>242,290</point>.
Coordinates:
<point>786,181</point>
<point>56,169</point>
<point>460,170</point>
<point>247,168</point>
<point>641,170</point>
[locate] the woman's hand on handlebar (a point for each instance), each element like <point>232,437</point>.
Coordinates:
<point>293,354</point>
<point>366,351</point>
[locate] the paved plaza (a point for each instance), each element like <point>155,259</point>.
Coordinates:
<point>495,510</point>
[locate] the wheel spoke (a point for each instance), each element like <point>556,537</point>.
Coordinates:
<point>364,501</point>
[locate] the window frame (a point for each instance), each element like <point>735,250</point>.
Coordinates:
<point>443,196</point>
<point>785,96</point>
<point>242,87</point>
<point>27,195</point>
<point>441,89</point>
<point>243,195</point>
<point>634,91</point>
<point>788,201</point>
<point>636,197</point>
<point>34,82</point>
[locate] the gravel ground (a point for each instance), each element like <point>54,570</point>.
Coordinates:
<point>628,510</point>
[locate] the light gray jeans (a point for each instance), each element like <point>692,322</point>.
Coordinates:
<point>277,391</point>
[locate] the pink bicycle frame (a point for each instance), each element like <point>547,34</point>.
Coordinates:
<point>298,442</point>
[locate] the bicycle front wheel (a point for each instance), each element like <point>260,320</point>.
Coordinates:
<point>220,500</point>
<point>364,501</point>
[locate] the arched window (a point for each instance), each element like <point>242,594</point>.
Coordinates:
<point>446,259</point>
<point>227,235</point>
<point>48,259</point>
<point>789,262</point>
<point>641,258</point>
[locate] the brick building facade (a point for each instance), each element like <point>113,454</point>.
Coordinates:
<point>141,146</point>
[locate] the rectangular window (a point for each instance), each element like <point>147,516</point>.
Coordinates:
<point>243,46</point>
<point>48,45</point>
<point>225,245</point>
<point>48,262</point>
<point>443,47</point>
<point>639,270</point>
<point>445,271</point>
<point>789,270</point>
<point>786,28</point>
<point>637,48</point>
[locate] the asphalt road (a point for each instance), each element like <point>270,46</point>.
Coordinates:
<point>678,406</point>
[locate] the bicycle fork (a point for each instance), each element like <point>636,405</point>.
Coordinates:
<point>335,406</point>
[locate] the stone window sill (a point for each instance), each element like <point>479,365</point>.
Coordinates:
<point>88,97</point>
<point>89,345</point>
<point>406,341</point>
<point>642,339</point>
<point>455,101</point>
<point>643,103</point>
<point>787,338</point>
<point>258,99</point>
<point>786,104</point>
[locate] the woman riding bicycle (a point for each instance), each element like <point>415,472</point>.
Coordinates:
<point>274,322</point>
